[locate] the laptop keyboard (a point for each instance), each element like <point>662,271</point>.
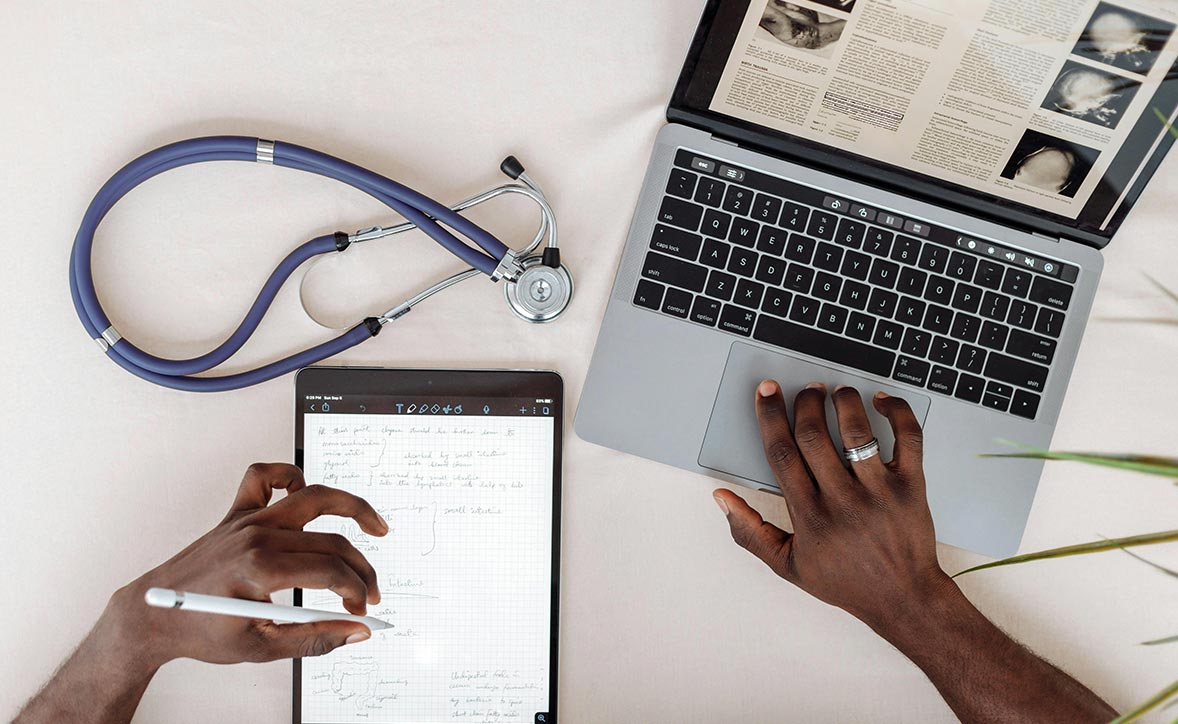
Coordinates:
<point>794,267</point>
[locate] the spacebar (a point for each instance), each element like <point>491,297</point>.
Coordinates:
<point>839,350</point>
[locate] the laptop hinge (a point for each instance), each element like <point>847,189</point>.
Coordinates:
<point>725,141</point>
<point>1041,235</point>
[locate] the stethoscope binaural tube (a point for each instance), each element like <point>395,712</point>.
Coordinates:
<point>492,258</point>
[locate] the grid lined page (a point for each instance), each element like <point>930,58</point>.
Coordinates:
<point>465,571</point>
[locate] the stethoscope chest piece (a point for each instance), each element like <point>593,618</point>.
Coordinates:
<point>540,293</point>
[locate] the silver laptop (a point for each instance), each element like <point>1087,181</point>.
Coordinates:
<point>847,194</point>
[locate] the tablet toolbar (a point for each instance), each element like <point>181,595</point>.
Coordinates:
<point>429,406</point>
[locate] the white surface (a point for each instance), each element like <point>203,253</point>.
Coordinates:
<point>663,618</point>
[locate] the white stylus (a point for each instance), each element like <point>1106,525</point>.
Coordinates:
<point>167,598</point>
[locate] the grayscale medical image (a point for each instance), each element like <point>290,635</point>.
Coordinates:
<point>801,27</point>
<point>1090,94</point>
<point>845,5</point>
<point>1123,38</point>
<point>1050,164</point>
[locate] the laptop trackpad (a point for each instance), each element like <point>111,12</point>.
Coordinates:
<point>733,441</point>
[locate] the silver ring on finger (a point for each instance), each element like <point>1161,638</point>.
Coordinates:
<point>863,452</point>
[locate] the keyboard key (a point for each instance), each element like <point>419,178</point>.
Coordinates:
<point>961,266</point>
<point>994,402</point>
<point>737,320</point>
<point>794,217</point>
<point>884,273</point>
<point>1025,404</point>
<point>1021,314</point>
<point>840,205</point>
<point>710,192</point>
<point>822,225</point>
<point>743,232</point>
<point>860,326</point>
<point>766,209</point>
<point>938,319</point>
<point>1016,372</point>
<point>994,336</point>
<point>911,281</point>
<point>906,250</point>
<point>944,351</point>
<point>970,388</point>
<point>705,311</point>
<point>799,278</point>
<point>649,294</point>
<point>916,342</point>
<point>716,223</point>
<point>850,233</point>
<point>890,220</point>
<point>995,306</point>
<point>988,275</point>
<point>997,388</point>
<point>683,214</point>
<point>770,270</point>
<point>772,240</point>
<point>715,254</point>
<point>883,303</point>
<point>934,258</point>
<point>912,371</point>
<point>1016,283</point>
<point>943,380</point>
<point>827,286</point>
<point>677,303</point>
<point>862,212</point>
<point>776,302</point>
<point>732,174</point>
<point>856,265</point>
<point>675,242</point>
<point>967,298</point>
<point>854,294</point>
<point>749,293</point>
<point>800,248</point>
<point>674,271</point>
<point>1049,322</point>
<point>720,285</point>
<point>1031,347</point>
<point>742,261</point>
<point>1051,293</point>
<point>910,311</point>
<point>681,183</point>
<point>828,257</point>
<point>738,201</point>
<point>878,241</point>
<point>966,327</point>
<point>917,227</point>
<point>832,318</point>
<point>804,310</point>
<point>939,290</point>
<point>823,345</point>
<point>971,359</point>
<point>701,164</point>
<point>887,334</point>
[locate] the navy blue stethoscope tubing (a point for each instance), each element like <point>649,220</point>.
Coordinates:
<point>427,214</point>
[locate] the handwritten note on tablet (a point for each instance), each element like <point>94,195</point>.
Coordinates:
<point>465,571</point>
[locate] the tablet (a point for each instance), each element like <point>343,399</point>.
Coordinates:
<point>465,467</point>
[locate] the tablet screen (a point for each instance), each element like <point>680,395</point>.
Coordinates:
<point>466,484</point>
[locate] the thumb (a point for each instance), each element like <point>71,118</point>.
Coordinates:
<point>299,640</point>
<point>753,533</point>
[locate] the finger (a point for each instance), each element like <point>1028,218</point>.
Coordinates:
<point>813,438</point>
<point>298,509</point>
<point>300,640</point>
<point>299,541</point>
<point>855,430</point>
<point>259,482</point>
<point>278,571</point>
<point>908,457</point>
<point>751,532</point>
<point>797,487</point>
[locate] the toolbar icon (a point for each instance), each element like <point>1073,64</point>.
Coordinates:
<point>326,407</point>
<point>435,409</point>
<point>446,409</point>
<point>486,409</point>
<point>458,409</point>
<point>400,407</point>
<point>547,411</point>
<point>411,409</point>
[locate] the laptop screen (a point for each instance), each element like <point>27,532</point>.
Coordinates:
<point>1054,109</point>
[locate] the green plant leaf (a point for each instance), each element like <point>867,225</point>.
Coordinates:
<point>1163,289</point>
<point>1165,121</point>
<point>1148,705</point>
<point>1080,549</point>
<point>1148,464</point>
<point>1157,642</point>
<point>1148,562</point>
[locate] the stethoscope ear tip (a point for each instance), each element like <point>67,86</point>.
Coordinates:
<point>540,293</point>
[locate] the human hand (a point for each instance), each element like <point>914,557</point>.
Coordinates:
<point>257,549</point>
<point>863,538</point>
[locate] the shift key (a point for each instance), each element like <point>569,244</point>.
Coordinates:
<point>674,272</point>
<point>1016,372</point>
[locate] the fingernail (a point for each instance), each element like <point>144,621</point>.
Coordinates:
<point>839,387</point>
<point>720,502</point>
<point>881,395</point>
<point>816,386</point>
<point>357,637</point>
<point>384,524</point>
<point>768,388</point>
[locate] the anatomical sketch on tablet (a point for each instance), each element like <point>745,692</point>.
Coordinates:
<point>464,573</point>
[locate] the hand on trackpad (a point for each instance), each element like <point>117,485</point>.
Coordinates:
<point>733,441</point>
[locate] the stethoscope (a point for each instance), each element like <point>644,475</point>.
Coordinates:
<point>537,288</point>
